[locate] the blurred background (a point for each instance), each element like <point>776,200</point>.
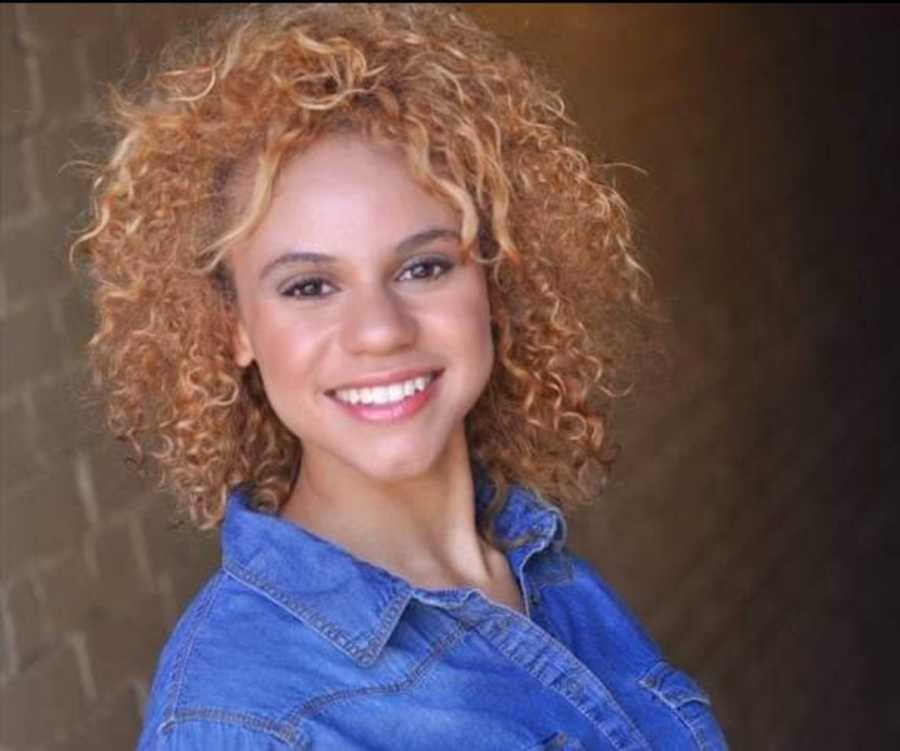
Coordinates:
<point>752,520</point>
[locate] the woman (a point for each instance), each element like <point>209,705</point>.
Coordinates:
<point>362,297</point>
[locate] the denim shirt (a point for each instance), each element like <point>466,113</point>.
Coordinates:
<point>296,644</point>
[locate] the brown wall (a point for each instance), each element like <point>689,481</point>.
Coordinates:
<point>749,519</point>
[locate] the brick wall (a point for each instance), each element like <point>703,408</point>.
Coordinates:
<point>749,519</point>
<point>91,580</point>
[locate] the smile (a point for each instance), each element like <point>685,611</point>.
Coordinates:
<point>388,403</point>
<point>387,394</point>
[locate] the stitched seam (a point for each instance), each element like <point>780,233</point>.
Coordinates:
<point>317,705</point>
<point>388,623</point>
<point>684,696</point>
<point>332,632</point>
<point>611,700</point>
<point>583,670</point>
<point>243,720</point>
<point>697,733</point>
<point>180,663</point>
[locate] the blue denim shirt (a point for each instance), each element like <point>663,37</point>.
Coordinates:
<point>297,644</point>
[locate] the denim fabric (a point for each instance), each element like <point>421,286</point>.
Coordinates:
<point>297,644</point>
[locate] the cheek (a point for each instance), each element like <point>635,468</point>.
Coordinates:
<point>285,355</point>
<point>483,308</point>
<point>474,326</point>
<point>482,324</point>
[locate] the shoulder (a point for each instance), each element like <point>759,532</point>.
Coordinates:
<point>234,666</point>
<point>601,629</point>
<point>583,605</point>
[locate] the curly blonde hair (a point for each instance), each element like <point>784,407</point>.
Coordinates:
<point>479,127</point>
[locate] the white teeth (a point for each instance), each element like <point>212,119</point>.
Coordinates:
<point>390,394</point>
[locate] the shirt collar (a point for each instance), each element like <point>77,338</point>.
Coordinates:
<point>355,605</point>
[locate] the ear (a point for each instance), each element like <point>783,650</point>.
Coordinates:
<point>243,350</point>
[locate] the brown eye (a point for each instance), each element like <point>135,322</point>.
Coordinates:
<point>429,264</point>
<point>305,288</point>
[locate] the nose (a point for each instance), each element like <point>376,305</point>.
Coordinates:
<point>377,323</point>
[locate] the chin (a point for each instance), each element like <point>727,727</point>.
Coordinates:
<point>395,464</point>
<point>388,472</point>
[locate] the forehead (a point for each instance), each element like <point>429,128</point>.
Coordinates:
<point>344,193</point>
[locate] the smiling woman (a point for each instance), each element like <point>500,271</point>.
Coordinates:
<point>373,329</point>
<point>365,300</point>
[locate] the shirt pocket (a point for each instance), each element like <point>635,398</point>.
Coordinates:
<point>690,703</point>
<point>558,742</point>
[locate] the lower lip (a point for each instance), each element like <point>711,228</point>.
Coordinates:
<point>401,410</point>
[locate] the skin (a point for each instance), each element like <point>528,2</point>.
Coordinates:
<point>398,495</point>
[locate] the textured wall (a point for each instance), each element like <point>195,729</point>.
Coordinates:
<point>749,519</point>
<point>90,579</point>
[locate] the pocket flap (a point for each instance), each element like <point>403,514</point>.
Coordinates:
<point>672,686</point>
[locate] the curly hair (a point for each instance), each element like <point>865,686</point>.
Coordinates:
<point>480,128</point>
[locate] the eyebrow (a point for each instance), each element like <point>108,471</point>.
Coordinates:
<point>404,248</point>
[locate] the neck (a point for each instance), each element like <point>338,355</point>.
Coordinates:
<point>421,528</point>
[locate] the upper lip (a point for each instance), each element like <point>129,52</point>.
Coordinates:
<point>382,379</point>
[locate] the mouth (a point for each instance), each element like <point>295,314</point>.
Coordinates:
<point>387,394</point>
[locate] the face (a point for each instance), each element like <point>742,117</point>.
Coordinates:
<point>356,275</point>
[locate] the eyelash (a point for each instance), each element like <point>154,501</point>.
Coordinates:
<point>440,263</point>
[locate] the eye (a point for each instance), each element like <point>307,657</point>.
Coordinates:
<point>428,269</point>
<point>430,265</point>
<point>305,288</point>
